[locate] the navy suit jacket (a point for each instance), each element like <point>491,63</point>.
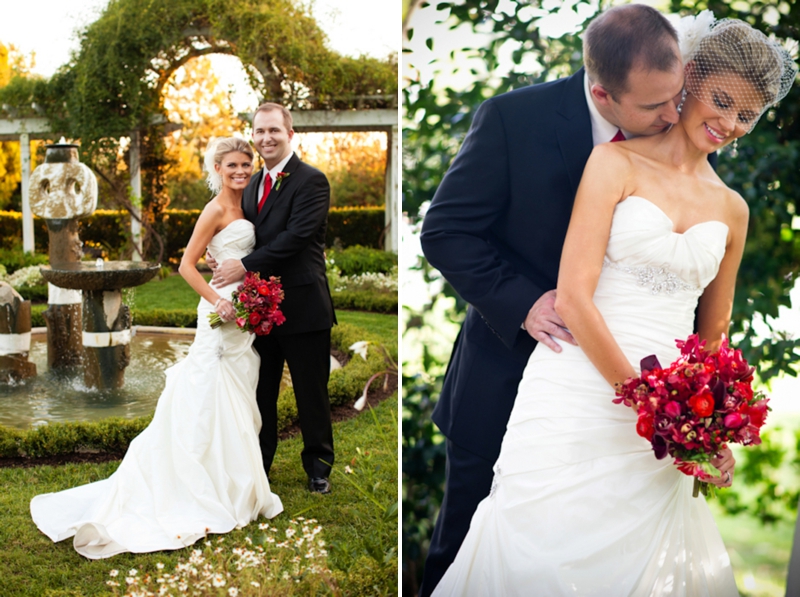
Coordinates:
<point>495,229</point>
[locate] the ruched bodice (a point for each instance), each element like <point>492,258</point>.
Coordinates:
<point>653,276</point>
<point>234,241</point>
<point>579,505</point>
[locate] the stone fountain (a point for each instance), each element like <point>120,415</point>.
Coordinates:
<point>15,336</point>
<point>87,321</point>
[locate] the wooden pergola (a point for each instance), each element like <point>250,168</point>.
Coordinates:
<point>24,130</point>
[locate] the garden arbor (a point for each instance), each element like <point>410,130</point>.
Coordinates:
<point>110,95</point>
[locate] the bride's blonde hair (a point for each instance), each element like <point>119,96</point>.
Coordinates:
<point>218,148</point>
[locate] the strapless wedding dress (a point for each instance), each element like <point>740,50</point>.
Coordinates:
<point>197,468</point>
<point>579,505</point>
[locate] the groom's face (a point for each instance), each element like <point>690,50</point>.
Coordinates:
<point>650,104</point>
<point>271,138</point>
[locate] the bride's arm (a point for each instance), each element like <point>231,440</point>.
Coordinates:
<point>605,182</point>
<point>203,232</point>
<point>716,304</point>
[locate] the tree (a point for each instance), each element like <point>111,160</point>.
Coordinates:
<point>765,172</point>
<point>194,97</point>
<point>12,64</point>
<point>355,164</point>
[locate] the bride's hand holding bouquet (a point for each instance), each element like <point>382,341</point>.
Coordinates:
<point>696,406</point>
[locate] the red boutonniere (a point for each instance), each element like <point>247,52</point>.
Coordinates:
<point>279,179</point>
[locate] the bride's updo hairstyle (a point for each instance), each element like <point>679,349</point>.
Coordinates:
<point>733,68</point>
<point>216,150</point>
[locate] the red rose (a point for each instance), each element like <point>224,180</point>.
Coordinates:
<point>254,318</point>
<point>263,289</point>
<point>702,404</point>
<point>644,426</point>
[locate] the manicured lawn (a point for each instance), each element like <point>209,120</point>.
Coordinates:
<point>170,293</point>
<point>358,519</point>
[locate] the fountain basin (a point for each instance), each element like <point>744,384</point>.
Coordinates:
<point>111,275</point>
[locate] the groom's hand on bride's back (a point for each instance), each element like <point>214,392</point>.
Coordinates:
<point>543,323</point>
<point>228,272</point>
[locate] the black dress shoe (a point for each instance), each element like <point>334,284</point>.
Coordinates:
<point>319,485</point>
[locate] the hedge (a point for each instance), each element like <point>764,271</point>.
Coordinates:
<point>115,434</point>
<point>108,231</point>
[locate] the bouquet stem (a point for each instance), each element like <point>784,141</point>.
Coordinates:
<point>699,487</point>
<point>215,320</point>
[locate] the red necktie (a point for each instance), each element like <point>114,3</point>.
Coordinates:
<point>618,137</point>
<point>267,189</point>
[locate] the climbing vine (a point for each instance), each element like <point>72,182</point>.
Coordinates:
<point>113,85</point>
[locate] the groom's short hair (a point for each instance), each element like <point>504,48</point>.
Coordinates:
<point>269,107</point>
<point>624,37</point>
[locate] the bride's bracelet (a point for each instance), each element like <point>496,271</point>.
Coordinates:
<point>219,300</point>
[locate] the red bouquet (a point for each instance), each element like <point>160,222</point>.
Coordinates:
<point>256,302</point>
<point>696,406</point>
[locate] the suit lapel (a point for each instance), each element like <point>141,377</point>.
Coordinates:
<point>250,197</point>
<point>276,195</point>
<point>575,131</point>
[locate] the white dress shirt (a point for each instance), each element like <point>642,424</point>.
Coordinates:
<point>602,130</point>
<point>273,173</point>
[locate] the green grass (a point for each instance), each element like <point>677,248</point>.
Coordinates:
<point>377,323</point>
<point>759,553</point>
<point>170,293</point>
<point>359,517</point>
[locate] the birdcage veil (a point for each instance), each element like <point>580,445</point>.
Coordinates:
<point>733,68</point>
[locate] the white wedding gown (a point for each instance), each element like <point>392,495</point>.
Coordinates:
<point>579,504</point>
<point>197,468</point>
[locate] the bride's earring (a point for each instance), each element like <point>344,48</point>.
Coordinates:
<point>735,148</point>
<point>683,99</point>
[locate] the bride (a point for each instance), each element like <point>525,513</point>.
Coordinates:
<point>579,505</point>
<point>197,468</point>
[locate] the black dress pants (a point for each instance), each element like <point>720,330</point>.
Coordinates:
<point>468,479</point>
<point>308,356</point>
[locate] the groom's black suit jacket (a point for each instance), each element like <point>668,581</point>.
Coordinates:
<point>495,229</point>
<point>290,243</point>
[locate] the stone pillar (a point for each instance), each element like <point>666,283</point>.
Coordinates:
<point>27,215</point>
<point>106,338</point>
<point>15,336</point>
<point>136,196</point>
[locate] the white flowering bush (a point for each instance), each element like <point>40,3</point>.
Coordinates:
<point>271,562</point>
<point>371,282</point>
<point>27,277</point>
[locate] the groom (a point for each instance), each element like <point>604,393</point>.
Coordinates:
<point>288,203</point>
<point>497,223</point>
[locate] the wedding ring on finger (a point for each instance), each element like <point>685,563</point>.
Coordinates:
<point>729,478</point>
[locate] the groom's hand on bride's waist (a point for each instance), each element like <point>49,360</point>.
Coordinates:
<point>543,323</point>
<point>228,272</point>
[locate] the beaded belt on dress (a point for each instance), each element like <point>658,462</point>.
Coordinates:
<point>659,279</point>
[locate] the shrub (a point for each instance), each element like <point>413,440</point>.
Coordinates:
<point>177,318</point>
<point>365,301</point>
<point>56,439</point>
<point>13,258</point>
<point>349,226</point>
<point>358,259</point>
